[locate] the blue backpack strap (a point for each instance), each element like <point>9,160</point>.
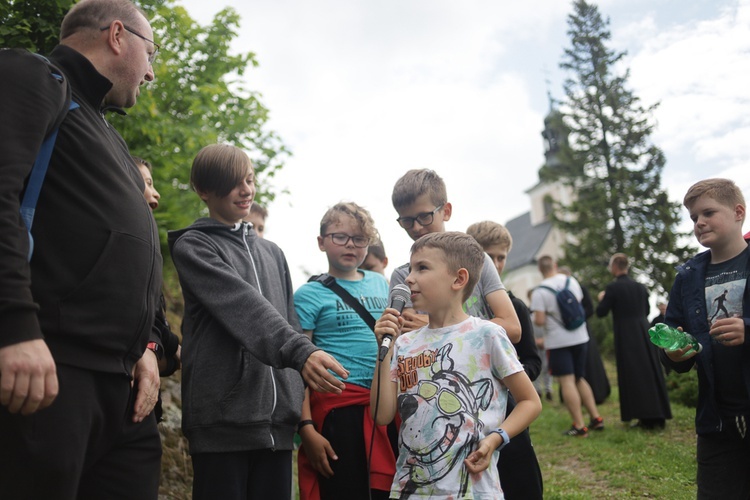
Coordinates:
<point>549,288</point>
<point>41,163</point>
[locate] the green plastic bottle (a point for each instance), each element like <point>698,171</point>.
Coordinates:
<point>672,339</point>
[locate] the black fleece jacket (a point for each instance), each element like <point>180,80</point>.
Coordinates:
<point>92,286</point>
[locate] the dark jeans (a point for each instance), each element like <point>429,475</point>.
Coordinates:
<point>724,463</point>
<point>85,445</point>
<point>242,475</point>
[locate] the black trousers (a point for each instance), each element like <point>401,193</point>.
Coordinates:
<point>243,475</point>
<point>84,446</point>
<point>724,462</point>
<point>343,429</point>
<point>520,474</point>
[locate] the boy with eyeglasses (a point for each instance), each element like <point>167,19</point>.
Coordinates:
<point>421,200</point>
<point>336,430</point>
<point>449,380</point>
<point>240,399</point>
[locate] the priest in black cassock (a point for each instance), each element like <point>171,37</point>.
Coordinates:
<point>643,393</point>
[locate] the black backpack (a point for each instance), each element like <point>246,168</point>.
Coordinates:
<point>571,310</point>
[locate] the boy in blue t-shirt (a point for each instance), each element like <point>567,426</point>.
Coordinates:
<point>710,300</point>
<point>449,380</point>
<point>333,459</point>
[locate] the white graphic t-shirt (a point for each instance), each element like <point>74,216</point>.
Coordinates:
<point>450,396</point>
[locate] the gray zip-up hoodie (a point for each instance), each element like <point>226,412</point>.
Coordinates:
<point>239,319</point>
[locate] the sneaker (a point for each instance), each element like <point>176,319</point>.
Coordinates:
<point>548,396</point>
<point>597,424</point>
<point>582,432</point>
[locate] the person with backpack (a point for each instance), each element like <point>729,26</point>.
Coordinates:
<point>556,303</point>
<point>640,378</point>
<point>78,382</point>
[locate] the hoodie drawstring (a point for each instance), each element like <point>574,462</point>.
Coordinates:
<point>741,424</point>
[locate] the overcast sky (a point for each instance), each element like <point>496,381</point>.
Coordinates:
<point>363,90</point>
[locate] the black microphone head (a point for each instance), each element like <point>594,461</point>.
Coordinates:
<point>399,296</point>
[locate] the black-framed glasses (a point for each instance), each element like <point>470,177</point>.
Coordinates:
<point>424,219</point>
<point>152,55</point>
<point>342,239</point>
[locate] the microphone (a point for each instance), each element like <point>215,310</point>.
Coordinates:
<point>398,298</point>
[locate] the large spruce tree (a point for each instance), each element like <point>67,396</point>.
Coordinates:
<point>612,165</point>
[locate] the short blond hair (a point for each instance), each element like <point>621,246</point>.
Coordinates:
<point>620,262</point>
<point>377,250</point>
<point>414,184</point>
<point>351,209</point>
<point>488,233</point>
<point>545,264</point>
<point>257,208</point>
<point>460,251</point>
<point>723,191</point>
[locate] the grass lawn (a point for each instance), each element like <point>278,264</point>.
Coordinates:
<point>618,462</point>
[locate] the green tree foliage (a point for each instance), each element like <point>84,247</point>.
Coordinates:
<point>198,97</point>
<point>611,164</point>
<point>32,24</point>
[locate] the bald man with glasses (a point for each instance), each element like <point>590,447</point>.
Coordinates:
<point>78,359</point>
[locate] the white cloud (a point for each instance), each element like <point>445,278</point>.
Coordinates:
<point>362,91</point>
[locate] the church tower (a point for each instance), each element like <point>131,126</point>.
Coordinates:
<point>533,233</point>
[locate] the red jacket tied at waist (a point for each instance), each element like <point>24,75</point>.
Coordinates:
<point>383,465</point>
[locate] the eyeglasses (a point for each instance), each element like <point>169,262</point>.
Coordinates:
<point>424,219</point>
<point>152,55</point>
<point>342,239</point>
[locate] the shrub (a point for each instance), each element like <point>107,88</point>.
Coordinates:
<point>683,387</point>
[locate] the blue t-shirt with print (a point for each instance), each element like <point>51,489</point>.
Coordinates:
<point>338,329</point>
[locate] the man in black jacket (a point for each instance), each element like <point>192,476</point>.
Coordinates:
<point>78,316</point>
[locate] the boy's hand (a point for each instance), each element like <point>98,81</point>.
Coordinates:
<point>318,450</point>
<point>316,374</point>
<point>412,320</point>
<point>389,323</point>
<point>680,354</point>
<point>479,459</point>
<point>728,331</point>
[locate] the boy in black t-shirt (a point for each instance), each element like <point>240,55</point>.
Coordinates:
<point>710,300</point>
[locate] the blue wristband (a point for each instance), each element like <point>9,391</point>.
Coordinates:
<point>503,435</point>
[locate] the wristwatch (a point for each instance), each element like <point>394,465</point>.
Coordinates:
<point>153,346</point>
<point>503,435</point>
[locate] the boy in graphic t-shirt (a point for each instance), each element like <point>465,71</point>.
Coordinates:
<point>449,380</point>
<point>709,299</point>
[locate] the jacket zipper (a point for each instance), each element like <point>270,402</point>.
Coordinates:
<point>243,228</point>
<point>117,146</point>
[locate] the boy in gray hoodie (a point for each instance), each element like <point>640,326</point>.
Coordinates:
<point>241,402</point>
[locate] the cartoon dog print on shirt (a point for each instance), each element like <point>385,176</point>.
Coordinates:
<point>441,425</point>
